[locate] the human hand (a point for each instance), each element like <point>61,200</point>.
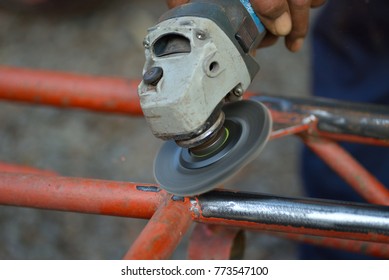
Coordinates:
<point>288,18</point>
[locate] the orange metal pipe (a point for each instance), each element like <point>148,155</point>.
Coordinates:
<point>164,231</point>
<point>80,195</point>
<point>351,138</point>
<point>14,168</point>
<point>291,130</point>
<point>114,95</point>
<point>349,169</point>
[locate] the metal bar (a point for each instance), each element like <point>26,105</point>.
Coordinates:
<point>349,169</point>
<point>65,90</point>
<point>378,250</point>
<point>293,215</point>
<point>14,168</point>
<point>279,132</point>
<point>164,231</point>
<point>352,122</point>
<point>251,211</point>
<point>337,120</point>
<point>80,195</point>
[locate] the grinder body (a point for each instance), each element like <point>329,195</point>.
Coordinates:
<point>197,57</point>
<point>198,64</point>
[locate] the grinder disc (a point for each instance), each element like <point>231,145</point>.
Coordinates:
<point>180,172</point>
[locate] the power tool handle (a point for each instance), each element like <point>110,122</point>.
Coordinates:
<point>237,18</point>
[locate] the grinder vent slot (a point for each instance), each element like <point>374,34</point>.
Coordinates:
<point>170,44</point>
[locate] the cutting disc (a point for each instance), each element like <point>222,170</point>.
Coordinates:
<point>247,128</point>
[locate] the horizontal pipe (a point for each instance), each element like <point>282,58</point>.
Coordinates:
<point>337,120</point>
<point>251,211</point>
<point>303,216</point>
<point>342,121</point>
<point>66,90</point>
<point>15,168</point>
<point>162,234</point>
<point>349,169</point>
<point>80,195</point>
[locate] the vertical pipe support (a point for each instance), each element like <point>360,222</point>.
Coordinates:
<point>163,232</point>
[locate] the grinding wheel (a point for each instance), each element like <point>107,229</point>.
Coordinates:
<point>180,172</point>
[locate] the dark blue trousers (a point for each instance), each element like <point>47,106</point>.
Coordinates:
<point>350,62</point>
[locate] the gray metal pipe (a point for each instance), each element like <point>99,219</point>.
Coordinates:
<point>334,116</point>
<point>309,216</point>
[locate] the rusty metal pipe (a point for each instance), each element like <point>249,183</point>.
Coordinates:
<point>164,231</point>
<point>66,90</point>
<point>337,120</point>
<point>80,195</point>
<point>279,132</point>
<point>349,169</point>
<point>15,168</point>
<point>251,211</point>
<point>355,221</point>
<point>352,122</point>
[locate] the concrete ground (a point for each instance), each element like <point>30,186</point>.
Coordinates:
<point>108,41</point>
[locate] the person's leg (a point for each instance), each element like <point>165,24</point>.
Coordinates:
<point>350,62</point>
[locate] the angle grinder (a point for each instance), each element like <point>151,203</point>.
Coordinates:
<point>198,64</point>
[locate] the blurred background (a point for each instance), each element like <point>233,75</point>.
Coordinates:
<point>105,38</point>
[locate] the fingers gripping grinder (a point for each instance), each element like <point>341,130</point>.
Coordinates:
<point>198,64</point>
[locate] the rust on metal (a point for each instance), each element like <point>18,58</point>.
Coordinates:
<point>163,232</point>
<point>104,94</point>
<point>78,195</point>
